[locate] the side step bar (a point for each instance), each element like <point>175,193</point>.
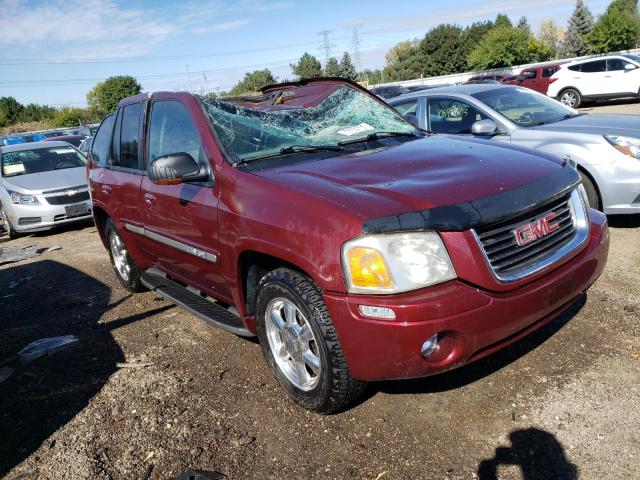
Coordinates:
<point>202,308</point>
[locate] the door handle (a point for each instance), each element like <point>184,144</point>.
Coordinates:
<point>607,76</point>
<point>106,189</point>
<point>149,198</point>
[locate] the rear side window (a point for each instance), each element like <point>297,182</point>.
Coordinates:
<point>129,136</point>
<point>575,68</point>
<point>594,67</point>
<point>547,72</point>
<point>172,131</point>
<point>102,141</point>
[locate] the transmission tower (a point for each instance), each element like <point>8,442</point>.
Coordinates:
<point>326,45</point>
<point>355,45</point>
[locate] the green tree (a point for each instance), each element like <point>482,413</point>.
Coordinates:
<point>404,62</point>
<point>538,51</point>
<point>307,67</point>
<point>332,68</point>
<point>443,51</point>
<point>474,33</point>
<point>347,69</point>
<point>501,47</point>
<point>253,82</point>
<point>10,109</point>
<point>68,117</point>
<point>502,20</point>
<point>580,24</point>
<point>617,29</point>
<point>35,113</point>
<point>523,24</point>
<point>550,35</point>
<point>104,97</point>
<point>374,77</point>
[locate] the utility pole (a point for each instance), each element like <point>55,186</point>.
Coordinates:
<point>189,77</point>
<point>326,46</point>
<point>206,85</point>
<point>355,45</point>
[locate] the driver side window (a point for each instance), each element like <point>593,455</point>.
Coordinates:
<point>172,131</point>
<point>452,116</point>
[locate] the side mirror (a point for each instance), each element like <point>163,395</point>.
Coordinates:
<point>176,168</point>
<point>412,119</point>
<point>484,127</point>
<point>629,66</point>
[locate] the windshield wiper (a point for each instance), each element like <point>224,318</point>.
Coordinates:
<point>559,119</point>
<point>292,149</point>
<point>378,136</point>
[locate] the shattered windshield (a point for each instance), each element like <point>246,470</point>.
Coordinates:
<point>343,116</point>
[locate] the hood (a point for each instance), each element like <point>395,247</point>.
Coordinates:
<point>435,171</point>
<point>627,125</point>
<point>52,180</point>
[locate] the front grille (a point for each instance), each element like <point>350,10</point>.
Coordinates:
<point>508,259</point>
<point>67,199</point>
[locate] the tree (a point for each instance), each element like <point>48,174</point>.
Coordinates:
<point>307,67</point>
<point>68,117</point>
<point>443,51</point>
<point>502,20</point>
<point>550,35</point>
<point>104,97</point>
<point>373,77</point>
<point>10,109</point>
<point>35,113</point>
<point>332,68</point>
<point>474,33</point>
<point>523,24</point>
<point>347,69</point>
<point>580,24</point>
<point>403,62</point>
<point>253,82</point>
<point>617,29</point>
<point>501,47</point>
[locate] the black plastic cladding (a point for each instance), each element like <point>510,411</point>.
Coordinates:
<point>483,211</point>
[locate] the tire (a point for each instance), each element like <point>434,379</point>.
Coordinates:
<point>592,192</point>
<point>303,334</point>
<point>125,268</point>
<point>7,225</point>
<point>570,97</point>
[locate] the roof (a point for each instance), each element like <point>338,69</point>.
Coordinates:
<point>467,89</point>
<point>32,146</point>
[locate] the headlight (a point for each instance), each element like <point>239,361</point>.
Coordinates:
<point>22,198</point>
<point>396,262</point>
<point>628,145</point>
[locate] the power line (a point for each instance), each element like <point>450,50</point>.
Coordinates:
<point>326,46</point>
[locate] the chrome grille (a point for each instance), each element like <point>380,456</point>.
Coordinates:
<point>67,199</point>
<point>510,261</point>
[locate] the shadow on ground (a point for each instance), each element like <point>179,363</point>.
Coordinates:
<point>482,368</point>
<point>45,395</point>
<point>624,221</point>
<point>538,454</point>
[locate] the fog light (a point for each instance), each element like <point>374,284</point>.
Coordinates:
<point>377,312</point>
<point>429,346</point>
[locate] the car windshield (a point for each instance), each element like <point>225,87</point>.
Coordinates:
<point>524,107</point>
<point>347,114</point>
<point>25,162</point>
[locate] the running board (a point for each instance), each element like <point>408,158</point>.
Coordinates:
<point>202,308</point>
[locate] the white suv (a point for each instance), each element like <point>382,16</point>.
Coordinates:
<point>602,78</point>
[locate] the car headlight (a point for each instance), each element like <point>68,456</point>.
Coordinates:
<point>628,145</point>
<point>397,262</point>
<point>23,198</point>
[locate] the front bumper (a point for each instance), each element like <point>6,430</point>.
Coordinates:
<point>619,183</point>
<point>28,218</point>
<point>471,323</point>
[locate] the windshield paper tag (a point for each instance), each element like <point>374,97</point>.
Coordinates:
<point>62,151</point>
<point>16,168</point>
<point>349,132</point>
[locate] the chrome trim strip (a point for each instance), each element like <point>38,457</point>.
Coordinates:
<point>579,214</point>
<point>183,247</point>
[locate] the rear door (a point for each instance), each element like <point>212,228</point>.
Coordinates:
<point>181,221</point>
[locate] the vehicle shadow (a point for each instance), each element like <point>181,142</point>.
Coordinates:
<point>484,367</point>
<point>53,300</point>
<point>538,453</point>
<point>624,221</point>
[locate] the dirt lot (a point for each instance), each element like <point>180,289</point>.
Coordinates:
<point>563,403</point>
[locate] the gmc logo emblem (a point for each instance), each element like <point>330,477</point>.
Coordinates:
<point>537,229</point>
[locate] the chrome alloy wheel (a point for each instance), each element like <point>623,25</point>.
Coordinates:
<point>569,99</point>
<point>119,254</point>
<point>293,344</point>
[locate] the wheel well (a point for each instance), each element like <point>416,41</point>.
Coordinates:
<point>252,267</point>
<point>595,185</point>
<point>569,88</point>
<point>100,217</point>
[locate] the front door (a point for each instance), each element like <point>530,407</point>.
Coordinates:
<point>181,221</point>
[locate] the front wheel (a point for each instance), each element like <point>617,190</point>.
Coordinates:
<point>299,342</point>
<point>592,192</point>
<point>571,98</point>
<point>7,225</point>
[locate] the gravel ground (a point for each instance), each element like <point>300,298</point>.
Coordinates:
<point>563,403</point>
<point>618,106</point>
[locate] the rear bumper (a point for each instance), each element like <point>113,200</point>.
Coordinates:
<point>471,323</point>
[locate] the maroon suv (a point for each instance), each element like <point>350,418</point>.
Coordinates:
<point>355,246</point>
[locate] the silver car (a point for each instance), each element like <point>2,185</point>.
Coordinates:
<point>42,185</point>
<point>605,148</point>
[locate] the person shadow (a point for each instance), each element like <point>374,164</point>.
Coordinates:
<point>538,454</point>
<point>43,299</point>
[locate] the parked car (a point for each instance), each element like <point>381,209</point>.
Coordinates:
<point>354,245</point>
<point>389,91</point>
<point>40,136</point>
<point>85,146</point>
<point>74,140</point>
<point>509,80</point>
<point>417,88</point>
<point>496,77</point>
<point>606,148</point>
<point>601,78</point>
<point>42,185</point>
<point>88,130</point>
<point>537,78</point>
<point>13,140</point>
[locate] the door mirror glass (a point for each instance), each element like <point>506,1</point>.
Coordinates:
<point>176,168</point>
<point>484,127</point>
<point>629,66</point>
